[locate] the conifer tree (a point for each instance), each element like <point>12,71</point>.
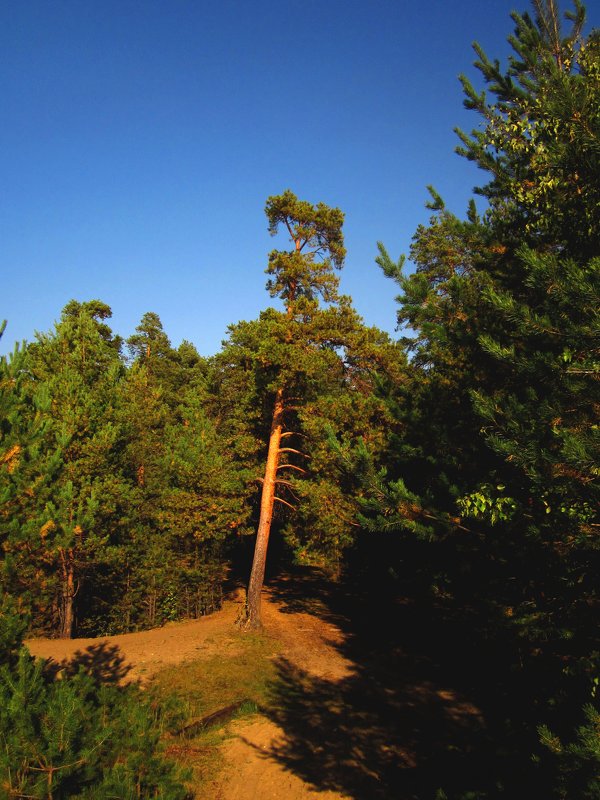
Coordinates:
<point>487,287</point>
<point>73,737</point>
<point>299,277</point>
<point>150,347</point>
<point>78,367</point>
<point>311,370</point>
<point>205,504</point>
<point>539,138</point>
<point>142,415</point>
<point>542,295</point>
<point>186,493</point>
<point>505,311</point>
<point>25,470</point>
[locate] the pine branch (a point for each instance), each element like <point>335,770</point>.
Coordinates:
<point>291,450</point>
<point>285,503</point>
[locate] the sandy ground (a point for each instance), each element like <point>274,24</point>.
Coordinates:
<point>368,729</point>
<point>251,769</point>
<point>138,656</point>
<point>252,772</point>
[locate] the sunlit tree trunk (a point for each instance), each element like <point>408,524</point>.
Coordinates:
<point>267,503</point>
<point>298,277</point>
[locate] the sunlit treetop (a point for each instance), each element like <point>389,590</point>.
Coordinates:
<point>539,130</point>
<point>305,271</point>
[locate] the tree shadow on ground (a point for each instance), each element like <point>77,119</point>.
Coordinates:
<point>421,717</point>
<point>365,736</point>
<point>103,661</point>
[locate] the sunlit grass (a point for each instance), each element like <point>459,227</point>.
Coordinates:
<point>233,679</point>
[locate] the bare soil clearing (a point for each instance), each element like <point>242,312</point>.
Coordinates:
<point>345,720</point>
<point>139,656</point>
<point>308,642</point>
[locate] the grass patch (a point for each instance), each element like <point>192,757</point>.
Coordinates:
<point>235,671</point>
<point>247,709</point>
<point>201,757</point>
<point>215,681</point>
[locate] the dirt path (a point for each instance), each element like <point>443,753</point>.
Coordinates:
<point>139,656</point>
<point>308,642</point>
<point>360,709</point>
<point>251,769</point>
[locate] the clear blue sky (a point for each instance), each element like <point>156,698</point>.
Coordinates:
<point>141,138</point>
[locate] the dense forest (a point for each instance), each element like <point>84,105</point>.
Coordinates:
<point>459,463</point>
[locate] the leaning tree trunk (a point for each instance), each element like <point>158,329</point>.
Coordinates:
<point>267,503</point>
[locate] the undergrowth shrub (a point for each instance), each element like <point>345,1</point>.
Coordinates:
<point>72,737</point>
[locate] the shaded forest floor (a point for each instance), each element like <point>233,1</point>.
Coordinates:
<point>350,698</point>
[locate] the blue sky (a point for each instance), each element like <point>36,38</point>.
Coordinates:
<point>141,138</point>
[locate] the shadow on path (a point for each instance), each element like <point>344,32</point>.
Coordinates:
<point>409,723</point>
<point>103,661</point>
<point>369,737</point>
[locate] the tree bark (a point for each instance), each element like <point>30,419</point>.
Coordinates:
<point>267,502</point>
<point>68,594</point>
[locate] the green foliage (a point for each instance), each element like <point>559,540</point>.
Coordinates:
<point>62,530</point>
<point>70,737</point>
<point>12,629</point>
<point>542,419</point>
<point>187,494</point>
<point>576,764</point>
<point>118,494</point>
<point>316,231</point>
<point>497,416</point>
<point>322,360</point>
<point>488,503</point>
<point>504,307</point>
<point>541,131</point>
